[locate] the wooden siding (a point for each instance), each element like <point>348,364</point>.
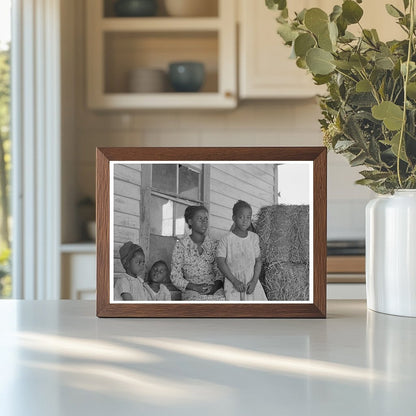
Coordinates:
<point>253,183</point>
<point>127,182</point>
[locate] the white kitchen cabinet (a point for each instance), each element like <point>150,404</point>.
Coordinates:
<point>78,263</point>
<point>265,69</point>
<point>117,45</point>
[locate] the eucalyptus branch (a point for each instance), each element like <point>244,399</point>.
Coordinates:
<point>346,75</point>
<point>373,88</point>
<point>406,79</point>
<point>392,91</point>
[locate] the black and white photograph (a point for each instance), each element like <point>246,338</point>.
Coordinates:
<point>211,231</point>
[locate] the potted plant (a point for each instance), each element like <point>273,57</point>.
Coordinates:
<point>369,116</point>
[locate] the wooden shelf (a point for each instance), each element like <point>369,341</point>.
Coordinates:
<point>346,264</point>
<point>346,269</point>
<point>160,24</point>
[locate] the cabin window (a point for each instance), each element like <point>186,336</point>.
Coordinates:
<point>174,187</point>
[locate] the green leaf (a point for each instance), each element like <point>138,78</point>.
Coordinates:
<point>347,37</point>
<point>342,25</point>
<point>276,4</point>
<point>384,62</point>
<point>368,36</point>
<point>316,20</point>
<point>336,12</point>
<point>351,11</point>
<point>344,65</point>
<point>358,61</point>
<point>393,11</point>
<point>394,145</point>
<point>287,33</point>
<point>374,174</point>
<point>375,35</point>
<point>301,15</point>
<point>354,132</point>
<point>411,90</point>
<point>343,145</point>
<point>391,114</point>
<point>333,32</point>
<point>319,61</point>
<point>301,63</point>
<point>363,86</point>
<point>412,67</point>
<point>303,43</point>
<point>321,79</point>
<point>325,42</point>
<point>358,160</point>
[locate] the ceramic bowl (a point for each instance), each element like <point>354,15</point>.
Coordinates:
<point>147,80</point>
<point>135,8</point>
<point>186,76</point>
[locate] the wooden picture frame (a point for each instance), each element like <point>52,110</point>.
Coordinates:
<point>210,158</point>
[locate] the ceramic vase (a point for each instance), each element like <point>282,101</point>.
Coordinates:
<point>391,253</point>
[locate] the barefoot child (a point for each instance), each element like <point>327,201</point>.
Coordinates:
<point>159,273</point>
<point>238,258</point>
<point>130,286</point>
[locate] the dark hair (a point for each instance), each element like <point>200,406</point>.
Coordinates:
<point>154,265</point>
<point>191,211</point>
<point>239,205</point>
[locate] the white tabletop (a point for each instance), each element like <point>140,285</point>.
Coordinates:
<point>57,358</point>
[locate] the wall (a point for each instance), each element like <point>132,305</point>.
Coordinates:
<point>252,183</point>
<point>253,123</point>
<point>127,184</point>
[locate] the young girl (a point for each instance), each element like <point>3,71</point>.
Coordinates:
<point>130,286</point>
<point>159,273</point>
<point>238,258</point>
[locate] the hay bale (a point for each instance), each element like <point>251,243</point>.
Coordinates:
<point>284,233</point>
<point>287,281</point>
<point>284,243</point>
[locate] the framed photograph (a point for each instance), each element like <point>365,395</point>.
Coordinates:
<point>211,232</point>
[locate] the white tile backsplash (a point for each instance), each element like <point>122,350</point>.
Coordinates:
<point>257,123</point>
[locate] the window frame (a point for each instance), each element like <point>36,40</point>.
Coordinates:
<point>147,191</point>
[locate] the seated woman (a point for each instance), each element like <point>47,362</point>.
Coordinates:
<point>194,270</point>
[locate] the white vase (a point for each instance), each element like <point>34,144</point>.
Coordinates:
<point>391,253</point>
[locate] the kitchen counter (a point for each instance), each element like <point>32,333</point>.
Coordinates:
<point>57,358</point>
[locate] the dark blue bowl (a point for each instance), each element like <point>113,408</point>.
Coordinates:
<point>135,8</point>
<point>186,76</point>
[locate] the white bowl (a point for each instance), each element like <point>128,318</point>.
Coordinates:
<point>147,80</point>
<point>191,8</point>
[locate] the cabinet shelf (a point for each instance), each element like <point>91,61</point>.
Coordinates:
<point>198,100</point>
<point>160,24</point>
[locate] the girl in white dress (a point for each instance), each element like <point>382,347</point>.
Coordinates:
<point>238,258</point>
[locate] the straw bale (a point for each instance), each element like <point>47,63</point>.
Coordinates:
<point>284,233</point>
<point>284,243</point>
<point>287,281</point>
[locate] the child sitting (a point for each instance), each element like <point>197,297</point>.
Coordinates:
<point>159,273</point>
<point>130,286</point>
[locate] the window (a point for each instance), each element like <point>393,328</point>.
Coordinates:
<point>5,160</point>
<point>174,187</point>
